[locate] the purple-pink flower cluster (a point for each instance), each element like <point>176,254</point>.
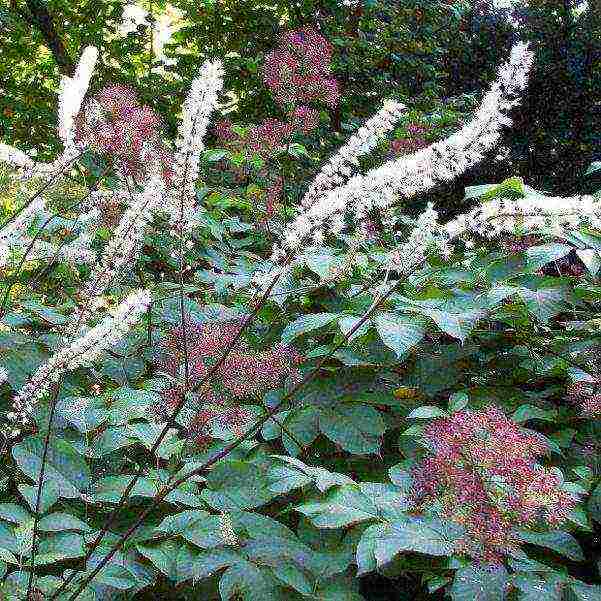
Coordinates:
<point>483,473</point>
<point>586,395</point>
<point>244,374</point>
<point>115,124</point>
<point>413,143</point>
<point>298,70</point>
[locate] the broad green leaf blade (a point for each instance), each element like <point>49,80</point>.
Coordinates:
<point>418,535</point>
<point>399,333</point>
<point>65,468</point>
<point>479,583</point>
<point>358,429</point>
<point>557,540</point>
<point>307,323</point>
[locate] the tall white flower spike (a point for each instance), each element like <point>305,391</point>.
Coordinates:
<point>80,352</point>
<point>198,106</point>
<point>71,94</point>
<point>405,177</point>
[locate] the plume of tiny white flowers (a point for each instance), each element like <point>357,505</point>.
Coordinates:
<point>122,247</point>
<point>404,177</point>
<point>227,531</point>
<point>550,215</point>
<point>15,157</point>
<point>14,233</point>
<point>71,94</point>
<point>340,167</point>
<point>198,106</point>
<point>546,214</point>
<point>79,353</point>
<point>133,16</point>
<point>426,236</point>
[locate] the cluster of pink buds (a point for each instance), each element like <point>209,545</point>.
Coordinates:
<point>115,124</point>
<point>518,244</point>
<point>482,471</point>
<point>586,395</point>
<point>268,137</point>
<point>298,70</point>
<point>244,374</point>
<point>413,143</point>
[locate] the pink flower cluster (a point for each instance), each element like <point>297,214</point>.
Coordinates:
<point>298,70</point>
<point>413,143</point>
<point>113,123</point>
<point>244,374</point>
<point>484,475</point>
<point>586,396</point>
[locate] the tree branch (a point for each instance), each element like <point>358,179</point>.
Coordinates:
<point>38,16</point>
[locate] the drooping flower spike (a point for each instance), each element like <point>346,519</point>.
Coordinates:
<point>404,177</point>
<point>80,352</point>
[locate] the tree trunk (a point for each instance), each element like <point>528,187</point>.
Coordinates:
<point>38,16</point>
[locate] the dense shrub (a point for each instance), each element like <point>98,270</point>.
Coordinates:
<point>244,372</point>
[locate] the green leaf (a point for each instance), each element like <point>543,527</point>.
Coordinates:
<point>322,478</point>
<point>420,535</point>
<point>399,333</point>
<point>208,563</point>
<point>215,154</point>
<point>543,303</point>
<point>534,588</point>
<point>477,191</point>
<point>205,533</point>
<point>479,583</point>
<point>307,323</point>
<point>591,260</point>
<point>427,412</point>
<point>59,522</point>
<point>458,401</point>
<point>249,582</point>
<point>557,540</point>
<point>297,150</point>
<point>10,512</point>
<point>358,429</point>
<point>180,522</point>
<point>60,546</point>
<point>294,577</point>
<point>233,485</point>
<point>323,263</point>
<point>366,548</point>
<point>7,557</point>
<point>341,508</point>
<point>111,488</point>
<point>48,497</point>
<point>457,325</point>
<point>163,556</point>
<point>527,412</point>
<point>65,468</point>
<point>539,256</point>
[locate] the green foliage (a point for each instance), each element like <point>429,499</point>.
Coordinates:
<point>313,494</point>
